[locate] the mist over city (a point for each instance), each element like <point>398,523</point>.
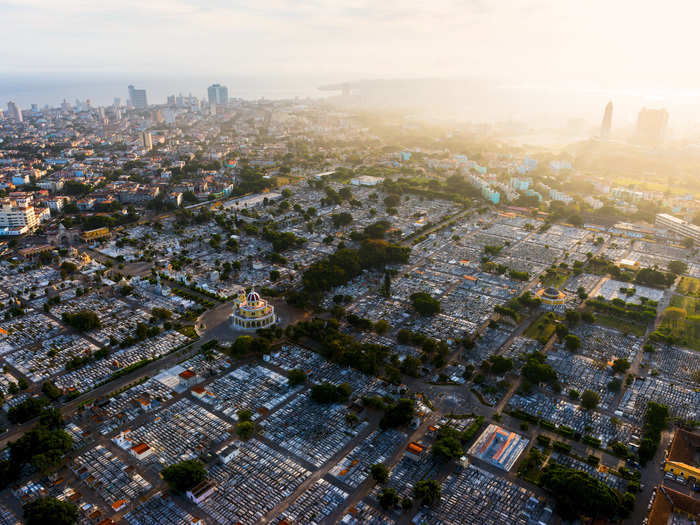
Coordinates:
<point>311,263</point>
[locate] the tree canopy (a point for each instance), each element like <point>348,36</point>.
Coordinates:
<point>82,320</point>
<point>425,304</point>
<point>578,494</point>
<point>428,491</point>
<point>50,510</point>
<point>184,475</point>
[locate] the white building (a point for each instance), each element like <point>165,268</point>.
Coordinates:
<point>677,226</point>
<point>366,180</point>
<point>17,216</point>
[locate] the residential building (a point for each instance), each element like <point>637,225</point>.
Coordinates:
<point>677,226</point>
<point>146,140</point>
<point>18,216</point>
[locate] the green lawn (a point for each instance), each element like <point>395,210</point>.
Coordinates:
<point>689,286</point>
<point>556,280</point>
<point>624,326</point>
<point>686,331</point>
<point>689,304</point>
<point>542,328</point>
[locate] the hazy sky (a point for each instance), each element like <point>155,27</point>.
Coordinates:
<point>601,43</point>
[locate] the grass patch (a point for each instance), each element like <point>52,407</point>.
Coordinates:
<point>684,330</point>
<point>626,327</point>
<point>188,331</point>
<point>690,304</point>
<point>543,328</point>
<point>689,286</point>
<point>555,278</point>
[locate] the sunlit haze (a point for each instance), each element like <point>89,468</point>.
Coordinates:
<point>637,50</point>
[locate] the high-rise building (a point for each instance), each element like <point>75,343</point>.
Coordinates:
<point>217,94</point>
<point>146,141</point>
<point>14,112</point>
<point>138,97</point>
<point>17,215</point>
<point>651,126</point>
<point>607,121</point>
<point>117,102</point>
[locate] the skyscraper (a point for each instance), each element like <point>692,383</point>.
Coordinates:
<point>217,94</point>
<point>14,112</point>
<point>138,97</point>
<point>146,141</point>
<point>651,126</point>
<point>607,121</point>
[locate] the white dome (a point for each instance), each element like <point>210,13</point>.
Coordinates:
<point>252,298</point>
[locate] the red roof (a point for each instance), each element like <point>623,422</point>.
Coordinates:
<point>187,374</point>
<point>140,448</point>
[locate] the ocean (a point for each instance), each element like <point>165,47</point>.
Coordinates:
<point>101,89</point>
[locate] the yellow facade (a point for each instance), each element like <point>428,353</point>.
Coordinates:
<point>682,469</point>
<point>95,234</point>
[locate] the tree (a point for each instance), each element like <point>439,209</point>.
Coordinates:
<point>674,315</point>
<point>411,366</point>
<point>83,320</point>
<point>41,447</point>
<point>572,317</point>
<point>655,419</point>
<point>161,313</point>
<point>447,445</point>
<point>381,327</point>
<point>398,415</point>
<point>329,393</point>
<point>51,418</point>
<point>184,475</point>
<point>341,219</point>
<point>588,317</point>
<point>380,473</point>
<point>392,201</point>
<point>500,365</point>
<point>296,377</point>
<point>245,429</point>
<point>572,342</point>
<point>428,491</point>
<point>425,304</point>
<point>677,267</point>
<point>26,410</point>
<point>579,494</point>
<point>615,384</point>
<point>620,365</point>
<point>68,267</point>
<point>50,510</point>
<point>386,286</point>
<point>388,498</point>
<point>244,415</point>
<point>589,399</point>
